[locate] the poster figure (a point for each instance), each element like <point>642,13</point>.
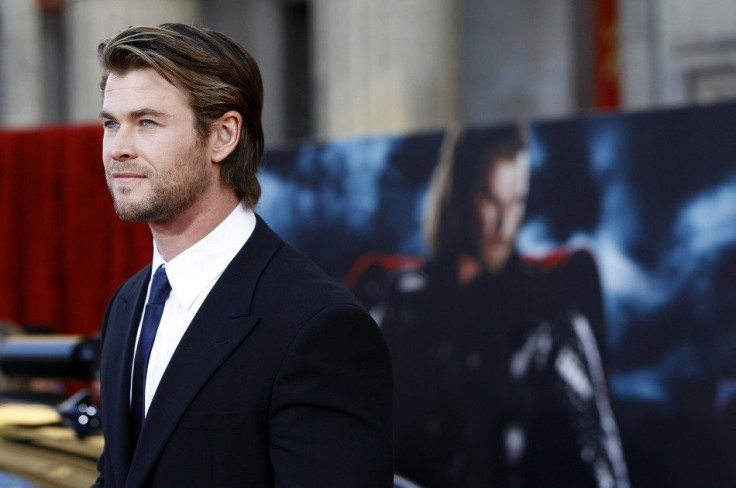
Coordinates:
<point>649,195</point>
<point>498,376</point>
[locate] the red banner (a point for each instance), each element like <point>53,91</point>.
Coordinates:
<point>606,79</point>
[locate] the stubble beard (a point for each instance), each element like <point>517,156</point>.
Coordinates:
<point>170,192</point>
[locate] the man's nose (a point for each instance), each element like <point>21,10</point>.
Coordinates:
<point>121,144</point>
<point>507,222</point>
<point>501,218</point>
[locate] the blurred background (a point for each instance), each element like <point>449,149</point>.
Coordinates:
<point>629,106</point>
<point>345,67</point>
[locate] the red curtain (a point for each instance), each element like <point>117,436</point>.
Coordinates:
<point>63,251</point>
<point>607,86</point>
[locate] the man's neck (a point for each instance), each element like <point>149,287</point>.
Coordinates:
<point>174,236</point>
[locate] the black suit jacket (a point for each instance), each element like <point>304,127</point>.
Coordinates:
<point>281,380</point>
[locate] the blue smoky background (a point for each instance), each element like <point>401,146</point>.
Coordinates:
<point>651,195</point>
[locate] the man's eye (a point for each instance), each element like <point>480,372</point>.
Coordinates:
<point>109,124</point>
<point>147,123</point>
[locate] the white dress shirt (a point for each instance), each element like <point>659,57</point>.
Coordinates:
<point>192,274</point>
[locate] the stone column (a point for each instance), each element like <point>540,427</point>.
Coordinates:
<point>519,60</point>
<point>21,73</point>
<point>257,25</point>
<point>384,65</point>
<point>88,22</point>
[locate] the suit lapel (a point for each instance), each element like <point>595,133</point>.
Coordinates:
<point>219,327</point>
<point>120,332</point>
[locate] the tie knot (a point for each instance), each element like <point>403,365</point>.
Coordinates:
<point>160,287</point>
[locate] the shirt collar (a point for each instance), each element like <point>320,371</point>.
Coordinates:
<point>191,271</point>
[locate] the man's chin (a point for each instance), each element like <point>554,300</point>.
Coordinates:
<point>496,258</point>
<point>131,212</point>
<point>130,216</point>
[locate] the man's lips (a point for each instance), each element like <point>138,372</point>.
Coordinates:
<point>126,180</point>
<point>128,176</point>
<point>497,244</point>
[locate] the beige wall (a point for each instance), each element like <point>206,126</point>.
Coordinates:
<point>384,66</point>
<point>677,51</point>
<point>389,65</point>
<point>257,25</point>
<point>520,59</point>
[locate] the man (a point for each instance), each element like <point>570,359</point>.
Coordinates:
<point>258,370</point>
<point>498,381</point>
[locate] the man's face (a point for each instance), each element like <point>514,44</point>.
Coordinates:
<point>155,164</point>
<point>500,206</point>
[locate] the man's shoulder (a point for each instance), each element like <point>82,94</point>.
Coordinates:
<point>562,264</point>
<point>296,298</point>
<point>289,278</point>
<point>296,275</point>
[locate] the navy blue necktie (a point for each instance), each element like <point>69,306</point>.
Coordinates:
<point>160,289</point>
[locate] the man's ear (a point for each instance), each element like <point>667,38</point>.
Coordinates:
<point>225,135</point>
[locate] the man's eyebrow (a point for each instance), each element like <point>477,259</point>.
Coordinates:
<point>148,112</point>
<point>136,114</point>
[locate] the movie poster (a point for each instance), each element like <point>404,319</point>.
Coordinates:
<point>559,297</point>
